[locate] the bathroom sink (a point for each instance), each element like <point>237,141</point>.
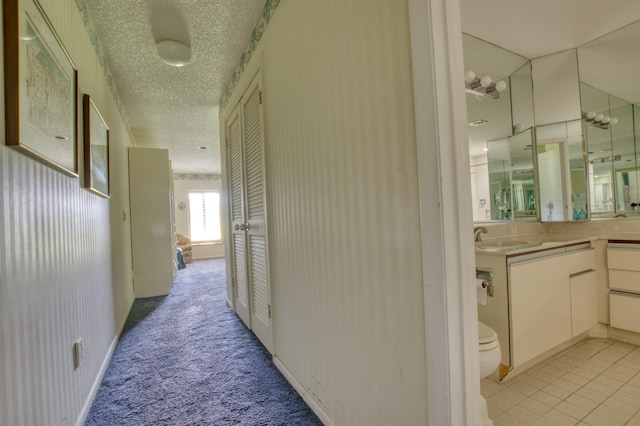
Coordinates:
<point>501,244</point>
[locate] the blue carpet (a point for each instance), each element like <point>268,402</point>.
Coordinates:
<point>186,359</point>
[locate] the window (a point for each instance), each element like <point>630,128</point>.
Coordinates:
<point>204,219</point>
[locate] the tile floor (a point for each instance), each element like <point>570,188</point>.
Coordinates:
<point>595,382</point>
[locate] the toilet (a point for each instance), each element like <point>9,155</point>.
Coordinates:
<point>490,357</point>
<point>490,354</point>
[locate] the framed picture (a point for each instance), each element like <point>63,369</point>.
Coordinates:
<point>40,83</point>
<point>96,150</point>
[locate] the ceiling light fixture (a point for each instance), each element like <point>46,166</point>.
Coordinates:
<point>173,52</point>
<point>477,123</point>
<point>483,86</point>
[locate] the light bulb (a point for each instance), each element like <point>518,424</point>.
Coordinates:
<point>606,119</point>
<point>485,81</point>
<point>501,85</point>
<point>599,116</point>
<point>614,120</point>
<point>591,115</point>
<point>469,76</point>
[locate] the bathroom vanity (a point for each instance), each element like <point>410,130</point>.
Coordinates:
<point>545,294</point>
<point>624,282</point>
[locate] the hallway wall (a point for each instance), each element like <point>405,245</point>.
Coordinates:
<point>342,188</point>
<point>65,261</point>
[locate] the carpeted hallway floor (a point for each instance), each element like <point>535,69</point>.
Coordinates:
<point>186,359</point>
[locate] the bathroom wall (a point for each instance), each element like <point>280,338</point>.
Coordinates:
<point>65,269</point>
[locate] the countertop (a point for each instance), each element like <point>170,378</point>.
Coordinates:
<point>522,244</point>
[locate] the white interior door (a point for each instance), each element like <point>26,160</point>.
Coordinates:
<point>245,142</point>
<point>238,241</point>
<point>256,223</point>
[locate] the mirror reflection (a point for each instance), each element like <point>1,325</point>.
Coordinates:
<point>561,176</point>
<point>500,121</point>
<point>609,91</point>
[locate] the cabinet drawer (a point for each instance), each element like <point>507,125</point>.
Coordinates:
<point>626,259</point>
<point>625,312</point>
<point>581,261</point>
<point>624,280</point>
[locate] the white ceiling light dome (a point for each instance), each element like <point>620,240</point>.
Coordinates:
<point>173,52</point>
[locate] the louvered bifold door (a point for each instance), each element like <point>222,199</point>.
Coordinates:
<point>257,262</point>
<point>238,244</point>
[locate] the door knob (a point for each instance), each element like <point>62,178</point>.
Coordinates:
<point>237,227</point>
<point>242,227</point>
<point>247,226</point>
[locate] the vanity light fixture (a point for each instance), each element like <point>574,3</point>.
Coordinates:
<point>173,52</point>
<point>483,86</point>
<point>598,119</point>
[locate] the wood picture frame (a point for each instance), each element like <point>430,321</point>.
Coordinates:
<point>96,149</point>
<point>41,88</point>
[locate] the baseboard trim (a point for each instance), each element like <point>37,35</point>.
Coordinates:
<point>312,403</point>
<point>103,369</point>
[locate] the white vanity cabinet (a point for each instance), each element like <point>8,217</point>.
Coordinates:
<point>553,298</point>
<point>624,283</point>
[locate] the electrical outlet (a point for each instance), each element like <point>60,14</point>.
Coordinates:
<point>77,354</point>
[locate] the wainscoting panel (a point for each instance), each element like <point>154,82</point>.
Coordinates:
<point>344,249</point>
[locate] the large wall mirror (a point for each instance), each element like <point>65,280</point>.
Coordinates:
<point>500,114</point>
<point>561,140</point>
<point>609,92</point>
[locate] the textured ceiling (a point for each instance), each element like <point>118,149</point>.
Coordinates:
<point>169,107</point>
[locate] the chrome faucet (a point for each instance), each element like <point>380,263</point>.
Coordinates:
<point>477,231</point>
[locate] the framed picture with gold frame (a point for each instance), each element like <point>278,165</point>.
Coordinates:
<point>40,83</point>
<point>96,149</point>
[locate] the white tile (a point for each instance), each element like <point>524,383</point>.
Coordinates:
<point>505,399</point>
<point>630,397</point>
<point>635,380</point>
<point>621,406</point>
<point>608,381</point>
<point>505,419</point>
<point>533,382</point>
<point>591,394</point>
<point>489,387</point>
<point>596,382</point>
<point>635,420</point>
<point>574,411</point>
<point>613,416</point>
<point>581,401</point>
<point>545,398</point>
<point>543,376</point>
<point>574,378</point>
<point>522,414</point>
<point>599,387</point>
<point>617,374</point>
<point>621,347</point>
<point>542,421</point>
<point>610,356</point>
<point>594,419</point>
<point>629,363</point>
<point>534,406</point>
<point>559,418</point>
<point>556,391</point>
<point>566,385</point>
